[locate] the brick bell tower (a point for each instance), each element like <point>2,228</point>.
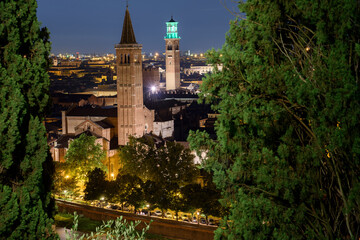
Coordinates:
<point>172,40</point>
<point>129,84</point>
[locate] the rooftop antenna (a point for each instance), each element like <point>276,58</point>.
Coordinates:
<point>127,3</point>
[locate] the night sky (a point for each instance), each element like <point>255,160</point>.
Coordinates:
<point>94,26</point>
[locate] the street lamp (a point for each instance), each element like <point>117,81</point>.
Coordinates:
<point>148,208</point>
<point>153,89</point>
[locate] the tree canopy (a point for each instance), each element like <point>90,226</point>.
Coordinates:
<point>96,184</point>
<point>168,163</point>
<point>83,156</point>
<point>287,150</point>
<point>26,206</point>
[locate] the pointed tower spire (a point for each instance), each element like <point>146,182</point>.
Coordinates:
<point>127,36</point>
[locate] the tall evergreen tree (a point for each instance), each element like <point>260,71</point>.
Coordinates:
<point>25,164</point>
<point>287,154</point>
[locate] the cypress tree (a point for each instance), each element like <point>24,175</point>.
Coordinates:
<point>288,135</point>
<point>26,167</point>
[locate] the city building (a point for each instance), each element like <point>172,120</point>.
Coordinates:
<point>113,112</point>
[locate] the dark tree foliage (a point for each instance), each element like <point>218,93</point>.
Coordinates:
<point>168,163</point>
<point>128,189</point>
<point>96,185</point>
<point>204,198</point>
<point>157,195</point>
<point>288,136</point>
<point>25,164</point>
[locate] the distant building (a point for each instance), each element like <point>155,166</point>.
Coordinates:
<point>172,41</point>
<point>92,121</point>
<point>200,69</point>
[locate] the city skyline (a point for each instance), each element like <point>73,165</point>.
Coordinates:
<point>90,27</point>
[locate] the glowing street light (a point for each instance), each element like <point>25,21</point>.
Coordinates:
<point>153,89</point>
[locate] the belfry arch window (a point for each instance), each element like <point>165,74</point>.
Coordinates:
<point>128,58</point>
<point>169,47</point>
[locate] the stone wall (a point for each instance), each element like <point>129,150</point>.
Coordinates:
<point>168,228</point>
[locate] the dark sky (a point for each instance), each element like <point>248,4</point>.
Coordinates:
<point>94,26</point>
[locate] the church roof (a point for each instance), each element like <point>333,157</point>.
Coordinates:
<point>93,111</point>
<point>128,36</point>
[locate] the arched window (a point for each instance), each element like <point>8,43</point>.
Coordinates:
<point>177,47</point>
<point>169,47</point>
<point>128,58</point>
<point>121,58</point>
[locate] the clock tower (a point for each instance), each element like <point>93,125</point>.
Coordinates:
<point>172,40</point>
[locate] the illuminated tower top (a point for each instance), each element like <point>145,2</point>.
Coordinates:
<point>172,31</point>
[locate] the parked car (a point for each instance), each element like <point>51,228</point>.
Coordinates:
<point>185,218</point>
<point>108,206</point>
<point>202,221</point>
<point>211,221</point>
<point>158,213</point>
<point>126,208</point>
<point>144,212</point>
<point>114,207</point>
<point>168,215</point>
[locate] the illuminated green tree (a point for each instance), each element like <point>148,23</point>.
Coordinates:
<point>83,156</point>
<point>287,154</point>
<point>63,183</point>
<point>26,168</point>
